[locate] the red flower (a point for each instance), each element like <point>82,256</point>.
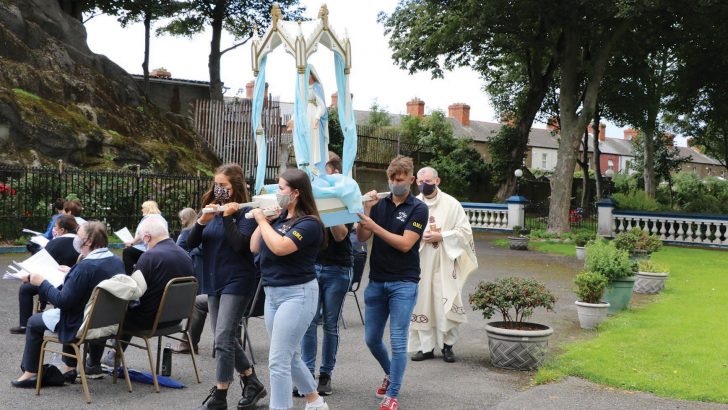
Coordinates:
<point>13,192</point>
<point>2,188</point>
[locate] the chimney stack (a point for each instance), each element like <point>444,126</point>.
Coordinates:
<point>416,108</point>
<point>249,90</point>
<point>460,112</point>
<point>602,131</point>
<point>670,139</point>
<point>553,125</point>
<point>335,99</point>
<point>630,134</point>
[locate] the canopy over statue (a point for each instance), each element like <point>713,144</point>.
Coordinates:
<point>337,196</point>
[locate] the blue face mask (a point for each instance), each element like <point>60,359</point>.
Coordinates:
<point>398,189</point>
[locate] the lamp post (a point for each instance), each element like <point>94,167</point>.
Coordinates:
<point>518,173</point>
<point>609,173</point>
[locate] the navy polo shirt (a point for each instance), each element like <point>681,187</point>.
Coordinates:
<point>224,270</point>
<point>337,253</point>
<point>387,264</point>
<point>297,267</point>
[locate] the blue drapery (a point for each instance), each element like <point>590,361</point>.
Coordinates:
<point>301,133</point>
<point>346,119</point>
<point>318,89</point>
<point>258,100</point>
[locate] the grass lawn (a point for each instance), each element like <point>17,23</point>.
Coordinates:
<point>546,246</point>
<point>674,346</point>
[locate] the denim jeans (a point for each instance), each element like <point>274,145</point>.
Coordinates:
<point>226,311</point>
<point>396,301</point>
<point>333,282</point>
<point>288,312</point>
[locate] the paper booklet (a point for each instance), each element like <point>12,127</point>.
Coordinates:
<point>42,262</point>
<point>124,235</point>
<point>25,230</point>
<point>41,240</point>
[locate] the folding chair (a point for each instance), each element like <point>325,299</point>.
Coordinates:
<point>360,259</point>
<point>106,310</point>
<point>177,303</point>
<point>256,309</point>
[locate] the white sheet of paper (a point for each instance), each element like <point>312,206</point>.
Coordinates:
<point>25,230</point>
<point>42,262</point>
<point>124,235</point>
<point>40,240</point>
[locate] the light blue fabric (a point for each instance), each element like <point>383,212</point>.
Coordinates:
<point>51,317</point>
<point>258,99</point>
<point>348,127</point>
<point>301,133</point>
<point>318,89</point>
<point>338,186</point>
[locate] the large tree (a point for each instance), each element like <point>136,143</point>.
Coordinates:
<point>132,11</point>
<point>511,47</point>
<point>237,17</point>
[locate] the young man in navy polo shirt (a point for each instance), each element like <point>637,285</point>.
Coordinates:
<point>397,223</point>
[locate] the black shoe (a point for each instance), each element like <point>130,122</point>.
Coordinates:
<point>419,356</point>
<point>324,384</point>
<point>70,376</point>
<point>94,372</point>
<point>25,384</point>
<point>447,354</point>
<point>216,400</point>
<point>17,330</point>
<point>253,390</point>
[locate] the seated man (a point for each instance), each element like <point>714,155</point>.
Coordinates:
<point>162,262</point>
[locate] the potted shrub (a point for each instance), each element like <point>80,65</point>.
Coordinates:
<point>589,288</point>
<point>603,257</point>
<point>651,277</point>
<point>581,239</point>
<point>519,240</point>
<point>513,342</point>
<point>638,243</point>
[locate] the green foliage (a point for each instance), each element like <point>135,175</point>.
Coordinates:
<point>636,201</point>
<point>336,136</point>
<point>24,93</point>
<point>502,161</point>
<point>667,159</point>
<point>625,183</point>
<point>637,240</point>
<point>378,116</point>
<point>520,295</point>
<point>650,266</point>
<point>589,286</point>
<point>517,230</point>
<point>691,194</point>
<point>603,257</point>
<point>582,238</point>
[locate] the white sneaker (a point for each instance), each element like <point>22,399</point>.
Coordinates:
<point>108,359</point>
<point>317,405</point>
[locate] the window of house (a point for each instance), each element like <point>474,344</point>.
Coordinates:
<point>544,156</point>
<point>710,170</point>
<point>610,164</point>
<point>695,170</point>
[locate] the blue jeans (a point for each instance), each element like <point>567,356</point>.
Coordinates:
<point>396,301</point>
<point>288,312</point>
<point>333,284</point>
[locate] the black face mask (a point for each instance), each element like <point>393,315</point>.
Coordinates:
<point>427,189</point>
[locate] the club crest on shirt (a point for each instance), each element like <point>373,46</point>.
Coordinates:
<point>284,228</point>
<point>402,216</point>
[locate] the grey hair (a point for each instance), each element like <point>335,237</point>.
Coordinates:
<point>155,227</point>
<point>188,216</point>
<point>422,170</point>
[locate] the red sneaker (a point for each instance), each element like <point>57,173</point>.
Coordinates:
<point>389,403</point>
<point>382,390</point>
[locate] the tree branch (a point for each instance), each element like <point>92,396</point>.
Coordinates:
<point>234,46</point>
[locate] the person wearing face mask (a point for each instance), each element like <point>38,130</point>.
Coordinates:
<point>288,246</point>
<point>96,265</point>
<point>447,258</point>
<point>397,223</point>
<point>134,249</point>
<point>62,250</point>
<point>229,282</point>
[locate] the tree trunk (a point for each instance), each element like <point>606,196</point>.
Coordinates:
<point>145,64</point>
<point>649,171</point>
<point>585,171</point>
<point>213,64</point>
<point>507,188</point>
<point>73,8</point>
<point>597,155</point>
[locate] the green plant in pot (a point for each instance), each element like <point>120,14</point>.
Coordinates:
<point>519,240</point>
<point>651,277</point>
<point>581,239</point>
<point>513,342</point>
<point>615,264</point>
<point>638,243</point>
<point>589,288</point>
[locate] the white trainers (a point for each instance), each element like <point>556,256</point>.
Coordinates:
<point>108,359</point>
<point>319,404</point>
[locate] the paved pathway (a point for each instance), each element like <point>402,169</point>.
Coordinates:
<point>471,383</point>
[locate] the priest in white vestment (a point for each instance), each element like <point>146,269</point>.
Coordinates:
<point>447,257</point>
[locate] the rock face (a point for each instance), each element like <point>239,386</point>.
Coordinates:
<point>59,100</point>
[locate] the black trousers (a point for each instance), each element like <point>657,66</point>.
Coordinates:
<point>130,256</point>
<point>25,302</point>
<point>33,341</point>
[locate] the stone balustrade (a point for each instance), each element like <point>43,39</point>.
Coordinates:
<point>709,230</point>
<point>496,217</point>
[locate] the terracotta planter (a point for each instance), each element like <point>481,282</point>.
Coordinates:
<point>591,314</point>
<point>517,349</point>
<point>650,282</point>
<point>518,243</point>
